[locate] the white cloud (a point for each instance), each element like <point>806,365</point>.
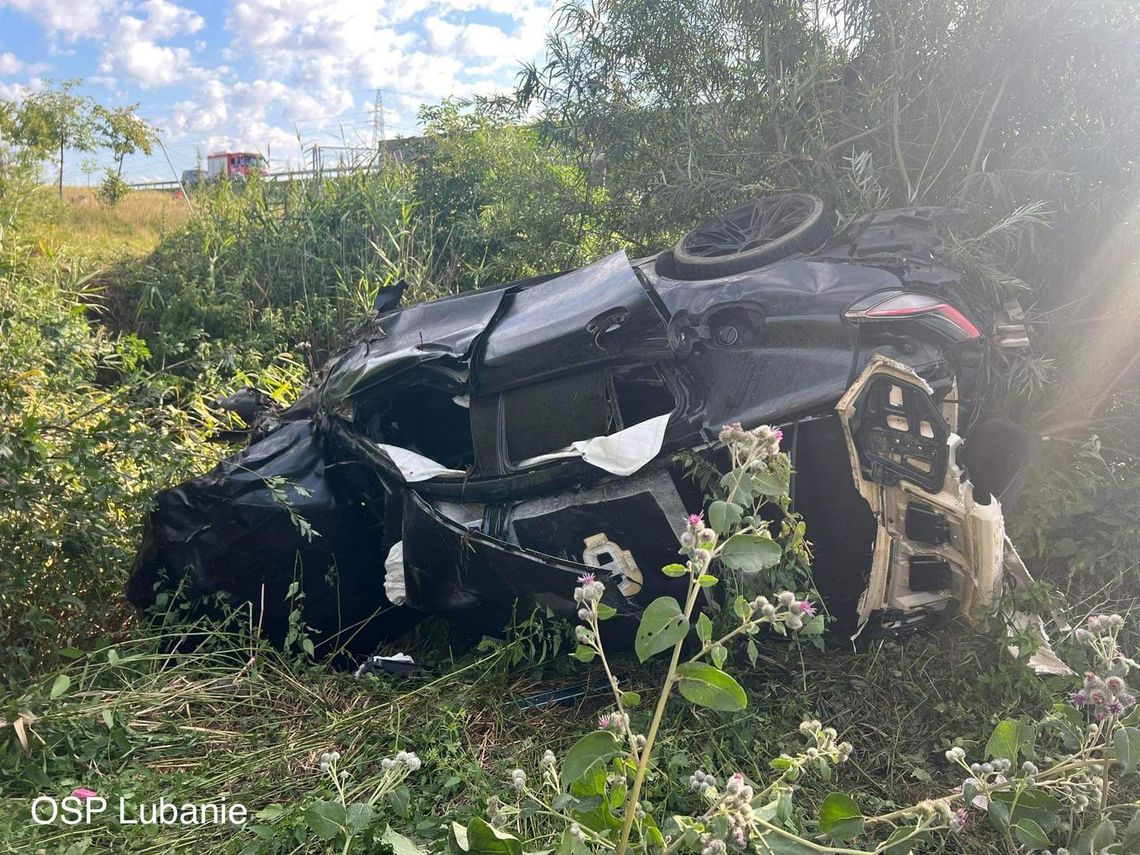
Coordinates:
<point>17,91</point>
<point>133,45</point>
<point>165,20</point>
<point>9,64</point>
<point>146,61</point>
<point>67,18</point>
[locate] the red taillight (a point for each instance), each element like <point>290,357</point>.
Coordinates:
<point>894,305</point>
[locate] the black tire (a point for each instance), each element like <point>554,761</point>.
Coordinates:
<point>754,234</point>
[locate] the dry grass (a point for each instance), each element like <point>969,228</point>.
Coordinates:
<point>83,226</point>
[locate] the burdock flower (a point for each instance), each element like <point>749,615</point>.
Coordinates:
<point>805,608</point>
<point>409,759</point>
<point>589,590</point>
<point>959,819</point>
<point>83,794</point>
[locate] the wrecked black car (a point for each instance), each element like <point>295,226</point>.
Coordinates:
<point>472,456</point>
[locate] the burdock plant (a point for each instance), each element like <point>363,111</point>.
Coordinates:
<point>1036,798</point>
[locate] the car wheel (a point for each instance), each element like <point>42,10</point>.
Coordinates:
<point>754,234</point>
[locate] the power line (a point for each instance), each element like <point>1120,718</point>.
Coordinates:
<point>378,120</point>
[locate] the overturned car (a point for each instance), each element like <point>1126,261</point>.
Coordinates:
<point>472,456</point>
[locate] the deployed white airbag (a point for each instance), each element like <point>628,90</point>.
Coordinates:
<point>394,587</point>
<point>415,467</point>
<point>626,451</point>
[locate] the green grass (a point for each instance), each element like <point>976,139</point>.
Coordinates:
<point>241,721</point>
<point>82,226</point>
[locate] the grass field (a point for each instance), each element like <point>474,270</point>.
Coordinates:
<point>80,224</point>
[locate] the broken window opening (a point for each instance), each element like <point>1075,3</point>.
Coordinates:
<point>425,420</point>
<point>642,394</point>
<point>549,416</point>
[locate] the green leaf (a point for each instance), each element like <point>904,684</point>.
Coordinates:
<point>768,484</point>
<point>1031,834</point>
<point>325,818</point>
<point>707,580</point>
<point>584,653</point>
<point>1126,741</point>
<point>358,816</point>
<point>605,612</point>
<point>750,553</point>
<point>485,839</point>
<point>840,817</point>
<point>1094,838</point>
<point>60,686</point>
<point>1131,840</point>
<point>630,699</point>
<point>401,800</point>
<point>1010,738</point>
<point>753,652</point>
<point>1007,807</point>
<point>459,836</point>
<point>706,686</point>
<point>400,844</point>
<point>905,841</point>
<point>719,654</point>
<point>270,813</point>
<point>662,626</point>
<point>813,626</point>
<point>724,516</point>
<point>1070,722</point>
<point>704,628</point>
<point>674,570</point>
<point>741,607</point>
<point>596,747</point>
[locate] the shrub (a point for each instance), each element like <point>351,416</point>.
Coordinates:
<point>112,189</point>
<point>86,434</point>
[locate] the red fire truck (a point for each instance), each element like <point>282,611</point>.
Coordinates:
<point>233,164</point>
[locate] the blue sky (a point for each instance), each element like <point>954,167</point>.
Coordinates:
<point>266,75</point>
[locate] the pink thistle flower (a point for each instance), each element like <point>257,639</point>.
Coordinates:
<point>959,819</point>
<point>777,434</point>
<point>604,721</point>
<point>1114,707</point>
<point>83,794</point>
<point>1078,699</point>
<point>587,579</point>
<point>696,519</point>
<point>1098,697</point>
<point>1114,684</point>
<point>805,608</point>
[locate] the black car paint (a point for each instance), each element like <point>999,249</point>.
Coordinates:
<point>769,345</point>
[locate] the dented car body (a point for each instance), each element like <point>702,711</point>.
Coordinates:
<point>472,456</point>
